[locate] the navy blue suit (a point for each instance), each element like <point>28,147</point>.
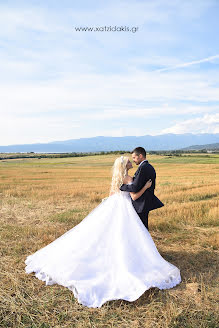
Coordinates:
<point>147,201</point>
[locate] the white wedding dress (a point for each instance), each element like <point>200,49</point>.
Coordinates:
<point>109,255</point>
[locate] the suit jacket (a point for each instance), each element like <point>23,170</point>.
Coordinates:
<point>147,201</point>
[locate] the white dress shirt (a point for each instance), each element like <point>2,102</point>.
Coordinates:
<point>145,160</point>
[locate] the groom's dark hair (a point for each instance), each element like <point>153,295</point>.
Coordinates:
<point>139,150</point>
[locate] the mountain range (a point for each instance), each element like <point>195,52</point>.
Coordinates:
<point>214,146</point>
<point>96,144</point>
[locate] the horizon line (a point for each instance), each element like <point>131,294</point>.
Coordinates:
<point>99,136</point>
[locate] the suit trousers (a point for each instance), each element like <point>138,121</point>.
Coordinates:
<point>144,218</point>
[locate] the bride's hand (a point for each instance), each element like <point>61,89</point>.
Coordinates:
<point>148,184</point>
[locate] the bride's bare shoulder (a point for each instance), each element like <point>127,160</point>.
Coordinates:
<point>127,179</point>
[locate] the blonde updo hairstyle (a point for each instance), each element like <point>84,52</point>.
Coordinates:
<point>119,171</point>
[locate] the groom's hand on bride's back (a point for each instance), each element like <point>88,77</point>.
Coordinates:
<point>148,184</point>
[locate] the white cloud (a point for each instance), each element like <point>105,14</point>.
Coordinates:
<point>19,21</point>
<point>37,129</point>
<point>114,92</point>
<point>54,79</point>
<point>161,111</point>
<point>205,124</point>
<point>194,62</point>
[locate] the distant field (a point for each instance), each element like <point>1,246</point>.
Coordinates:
<point>40,199</point>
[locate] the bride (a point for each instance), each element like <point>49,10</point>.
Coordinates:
<point>109,255</point>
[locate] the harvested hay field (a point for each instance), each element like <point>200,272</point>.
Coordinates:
<point>40,199</point>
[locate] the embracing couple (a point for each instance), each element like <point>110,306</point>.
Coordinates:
<point>142,185</point>
<point>110,254</point>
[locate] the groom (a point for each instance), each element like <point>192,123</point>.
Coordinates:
<point>148,201</point>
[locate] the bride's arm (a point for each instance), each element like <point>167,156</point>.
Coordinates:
<point>127,179</point>
<point>136,195</point>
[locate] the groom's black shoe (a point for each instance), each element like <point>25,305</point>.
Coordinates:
<point>144,218</point>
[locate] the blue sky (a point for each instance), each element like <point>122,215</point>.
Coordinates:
<point>58,84</point>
